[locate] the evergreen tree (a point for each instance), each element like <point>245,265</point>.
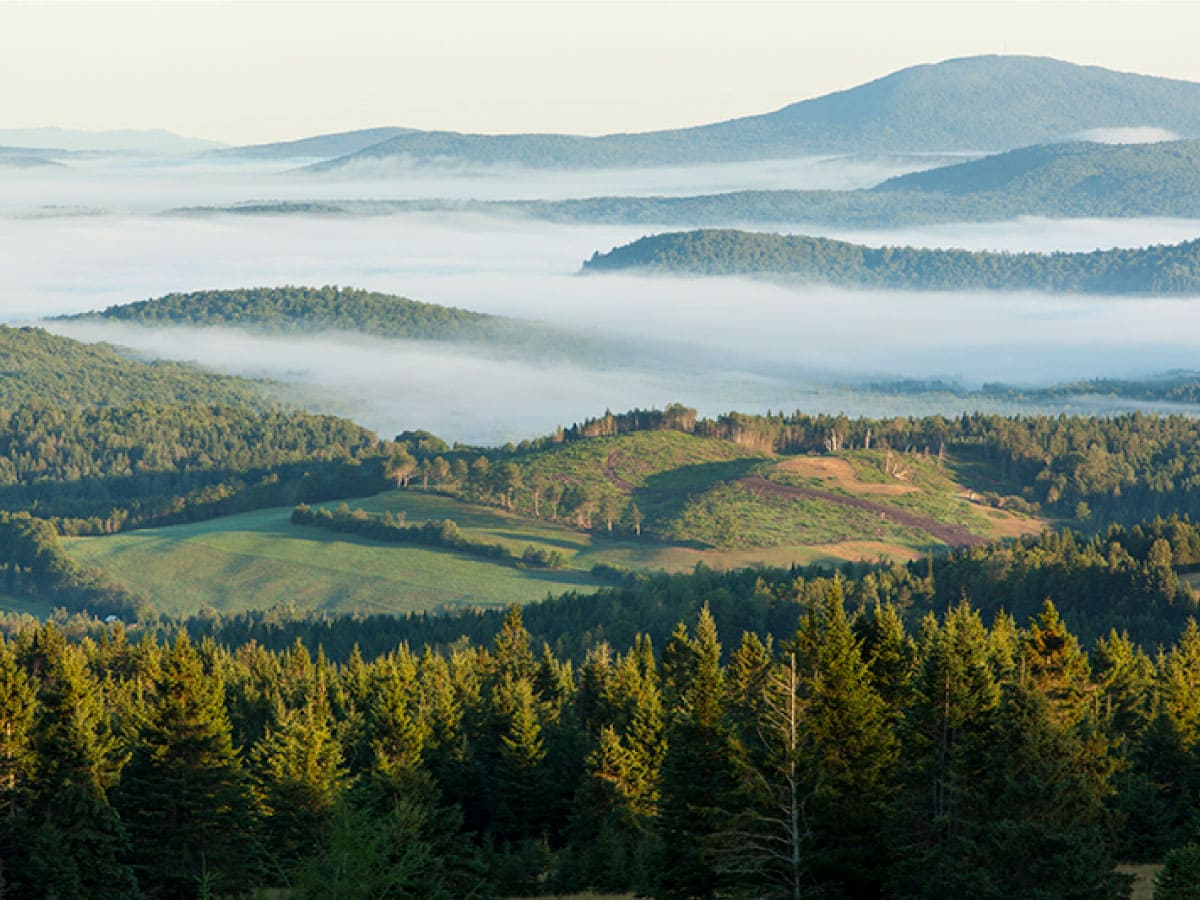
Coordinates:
<point>955,690</point>
<point>298,777</point>
<point>521,791</point>
<point>697,774</point>
<point>184,796</point>
<point>850,749</point>
<point>75,842</point>
<point>18,757</point>
<point>1179,878</point>
<point>1036,815</point>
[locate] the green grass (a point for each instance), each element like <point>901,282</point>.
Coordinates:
<point>584,550</point>
<point>24,606</point>
<point>732,515</point>
<point>687,487</point>
<point>258,560</point>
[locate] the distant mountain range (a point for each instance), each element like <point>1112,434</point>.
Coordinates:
<point>985,103</point>
<point>1053,180</point>
<point>321,146</point>
<point>1153,270</point>
<point>155,141</point>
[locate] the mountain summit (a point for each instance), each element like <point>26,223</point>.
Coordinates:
<point>979,104</point>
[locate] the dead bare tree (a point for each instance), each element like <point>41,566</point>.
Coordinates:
<point>763,850</point>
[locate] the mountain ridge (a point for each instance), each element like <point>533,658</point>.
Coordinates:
<point>981,103</point>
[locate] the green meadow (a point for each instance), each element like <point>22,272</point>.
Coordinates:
<point>258,560</point>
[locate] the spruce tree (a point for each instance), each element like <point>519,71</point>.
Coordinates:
<point>74,840</point>
<point>18,706</point>
<point>298,777</point>
<point>697,775</point>
<point>954,693</point>
<point>184,796</point>
<point>849,754</point>
<point>1034,819</point>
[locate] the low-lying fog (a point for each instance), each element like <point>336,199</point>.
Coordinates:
<point>714,344</point>
<point>138,185</point>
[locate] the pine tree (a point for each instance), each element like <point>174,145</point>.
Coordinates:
<point>955,691</point>
<point>1035,816</point>
<point>521,792</point>
<point>74,839</point>
<point>1179,878</point>
<point>849,754</point>
<point>184,796</point>
<point>298,777</point>
<point>697,772</point>
<point>18,706</point>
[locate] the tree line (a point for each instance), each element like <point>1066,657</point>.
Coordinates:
<point>852,757</point>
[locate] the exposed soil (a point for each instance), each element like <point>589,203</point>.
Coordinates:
<point>840,473</point>
<point>953,535</point>
<point>610,472</point>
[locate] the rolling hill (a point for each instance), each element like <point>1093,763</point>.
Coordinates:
<point>36,366</point>
<point>1154,270</point>
<point>706,501</point>
<point>981,104</point>
<point>311,310</point>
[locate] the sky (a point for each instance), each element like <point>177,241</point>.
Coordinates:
<point>256,72</point>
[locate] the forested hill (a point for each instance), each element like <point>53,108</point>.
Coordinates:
<point>1155,176</point>
<point>307,310</point>
<point>1053,180</point>
<point>1154,270</point>
<point>975,104</point>
<point>41,367</point>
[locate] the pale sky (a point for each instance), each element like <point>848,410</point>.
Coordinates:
<point>250,72</point>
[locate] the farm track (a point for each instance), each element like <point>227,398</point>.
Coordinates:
<point>953,535</point>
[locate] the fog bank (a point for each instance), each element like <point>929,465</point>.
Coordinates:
<point>733,344</point>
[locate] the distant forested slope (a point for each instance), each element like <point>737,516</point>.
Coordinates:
<point>320,145</point>
<point>108,442</point>
<point>1154,270</point>
<point>42,367</point>
<point>110,468</point>
<point>1062,180</point>
<point>1054,180</point>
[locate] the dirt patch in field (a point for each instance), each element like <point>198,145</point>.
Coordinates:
<point>953,535</point>
<point>869,551</point>
<point>841,474</point>
<point>610,472</point>
<point>1006,525</point>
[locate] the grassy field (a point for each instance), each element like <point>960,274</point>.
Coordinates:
<point>584,550</point>
<point>20,605</point>
<point>259,560</point>
<point>713,503</point>
<point>706,492</point>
